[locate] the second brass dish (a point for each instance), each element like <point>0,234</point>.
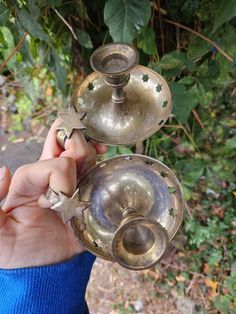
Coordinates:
<point>129,187</point>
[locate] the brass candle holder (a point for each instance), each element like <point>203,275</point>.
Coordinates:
<point>125,102</point>
<point>136,209</point>
<point>135,202</point>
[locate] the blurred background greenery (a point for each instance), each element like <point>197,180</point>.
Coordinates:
<point>45,46</point>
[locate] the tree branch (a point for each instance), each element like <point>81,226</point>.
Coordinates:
<point>208,40</point>
<point>67,24</point>
<point>13,51</point>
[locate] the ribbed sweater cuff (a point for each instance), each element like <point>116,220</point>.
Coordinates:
<point>58,288</point>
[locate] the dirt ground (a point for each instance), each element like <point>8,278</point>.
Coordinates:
<point>115,290</point>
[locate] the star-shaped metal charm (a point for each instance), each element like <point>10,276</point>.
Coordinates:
<point>70,207</point>
<point>71,121</point>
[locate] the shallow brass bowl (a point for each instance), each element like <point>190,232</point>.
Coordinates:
<point>147,106</point>
<point>130,181</point>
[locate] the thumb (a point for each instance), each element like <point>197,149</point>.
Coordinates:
<point>51,148</point>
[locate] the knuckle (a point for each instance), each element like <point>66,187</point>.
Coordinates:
<point>21,171</point>
<point>84,153</point>
<point>66,163</point>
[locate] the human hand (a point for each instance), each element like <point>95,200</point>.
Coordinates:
<point>29,234</point>
<point>83,152</point>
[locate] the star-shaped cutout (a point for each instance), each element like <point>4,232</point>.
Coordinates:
<point>70,207</point>
<point>158,88</point>
<point>145,78</point>
<point>71,121</point>
<point>165,103</point>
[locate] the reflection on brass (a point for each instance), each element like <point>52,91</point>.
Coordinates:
<point>139,242</point>
<point>125,103</point>
<point>133,213</point>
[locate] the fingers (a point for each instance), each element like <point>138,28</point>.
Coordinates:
<point>100,148</point>
<point>5,180</point>
<point>30,181</point>
<point>51,148</point>
<point>76,145</point>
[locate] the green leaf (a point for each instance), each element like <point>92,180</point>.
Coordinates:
<point>31,25</point>
<point>24,49</point>
<point>112,151</point>
<point>34,10</point>
<point>9,41</point>
<point>122,150</point>
<point>84,39</point>
<point>228,43</point>
<point>187,192</point>
<point>4,14</point>
<point>60,72</point>
<point>29,88</point>
<point>183,101</point>
<point>197,48</point>
<point>213,71</point>
<point>215,257</point>
<point>171,65</point>
<point>225,12</point>
<point>187,80</point>
<point>52,3</point>
<point>231,143</point>
<point>191,171</point>
<point>3,43</point>
<point>124,18</point>
<point>147,41</point>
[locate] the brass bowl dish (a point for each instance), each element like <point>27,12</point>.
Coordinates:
<point>124,103</point>
<point>136,208</point>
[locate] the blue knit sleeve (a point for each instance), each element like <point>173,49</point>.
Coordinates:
<point>58,288</point>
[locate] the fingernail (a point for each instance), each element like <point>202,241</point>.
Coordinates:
<point>2,173</point>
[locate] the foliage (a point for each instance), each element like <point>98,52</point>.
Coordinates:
<point>125,18</point>
<point>199,140</point>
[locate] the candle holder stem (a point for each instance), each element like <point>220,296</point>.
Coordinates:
<point>117,83</point>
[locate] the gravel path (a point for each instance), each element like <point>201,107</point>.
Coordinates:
<point>14,155</point>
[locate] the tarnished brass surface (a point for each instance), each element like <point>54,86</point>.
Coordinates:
<point>147,106</point>
<point>135,202</point>
<point>114,59</point>
<point>139,242</point>
<point>136,182</point>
